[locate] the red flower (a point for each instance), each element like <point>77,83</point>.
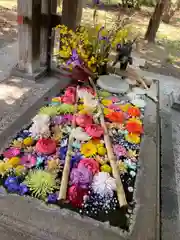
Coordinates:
<point>76,194</point>
<point>134,111</point>
<point>134,127</point>
<point>91,164</point>
<point>46,146</point>
<point>94,130</point>
<point>116,117</point>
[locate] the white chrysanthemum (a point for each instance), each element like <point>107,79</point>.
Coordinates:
<point>80,135</point>
<point>40,126</point>
<point>103,184</point>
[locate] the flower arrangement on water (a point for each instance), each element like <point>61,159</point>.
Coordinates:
<point>89,49</point>
<point>41,183</point>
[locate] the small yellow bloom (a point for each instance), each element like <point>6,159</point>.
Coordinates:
<point>28,141</point>
<point>88,149</point>
<point>14,161</point>
<point>133,138</point>
<point>106,102</point>
<point>122,167</point>
<point>106,168</point>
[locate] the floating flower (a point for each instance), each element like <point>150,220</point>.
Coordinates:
<point>130,164</point>
<point>132,153</point>
<point>52,198</point>
<point>11,152</point>
<point>68,99</point>
<point>117,117</point>
<point>76,195</point>
<point>83,119</point>
<point>106,102</point>
<point>134,111</point>
<point>94,130</point>
<point>17,143</point>
<point>122,167</point>
<point>101,160</point>
<point>103,184</point>
<point>133,138</point>
<point>125,107</point>
<point>106,168</point>
<point>80,107</point>
<point>134,126</point>
<point>119,150</point>
<point>80,135</point>
<point>114,99</point>
<point>28,160</point>
<point>114,107</point>
<point>88,149</point>
<point>28,141</point>
<point>101,150</point>
<point>14,161</point>
<point>19,170</point>
<point>107,111</point>
<point>12,184</point>
<point>81,176</point>
<point>23,189</point>
<point>56,99</point>
<point>89,163</point>
<point>46,146</point>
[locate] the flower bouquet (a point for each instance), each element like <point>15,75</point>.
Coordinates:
<point>85,52</point>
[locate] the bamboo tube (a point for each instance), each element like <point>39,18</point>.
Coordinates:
<point>113,161</point>
<point>66,169</point>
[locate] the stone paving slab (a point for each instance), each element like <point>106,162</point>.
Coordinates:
<point>17,98</point>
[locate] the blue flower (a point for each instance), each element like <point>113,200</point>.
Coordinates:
<point>23,189</point>
<point>62,153</point>
<point>11,180</point>
<point>52,198</point>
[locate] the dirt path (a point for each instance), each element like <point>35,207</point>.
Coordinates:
<point>8,25</point>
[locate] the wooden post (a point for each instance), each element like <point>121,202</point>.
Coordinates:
<point>29,40</point>
<point>70,13</point>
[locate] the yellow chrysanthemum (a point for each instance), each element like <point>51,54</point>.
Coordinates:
<point>88,149</point>
<point>133,138</point>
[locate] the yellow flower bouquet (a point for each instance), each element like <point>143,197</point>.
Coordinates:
<point>88,50</point>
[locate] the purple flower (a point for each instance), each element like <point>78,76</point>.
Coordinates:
<point>23,189</point>
<point>13,187</point>
<point>52,198</point>
<point>74,59</point>
<point>81,177</point>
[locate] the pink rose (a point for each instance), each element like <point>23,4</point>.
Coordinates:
<point>46,146</point>
<point>90,164</point>
<point>114,107</point>
<point>94,130</point>
<point>83,119</point>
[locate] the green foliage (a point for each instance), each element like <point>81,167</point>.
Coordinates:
<point>41,183</point>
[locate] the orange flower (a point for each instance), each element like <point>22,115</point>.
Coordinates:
<point>117,117</point>
<point>134,111</point>
<point>134,126</point>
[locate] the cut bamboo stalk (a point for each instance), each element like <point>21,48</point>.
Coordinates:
<point>113,161</point>
<point>66,169</point>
